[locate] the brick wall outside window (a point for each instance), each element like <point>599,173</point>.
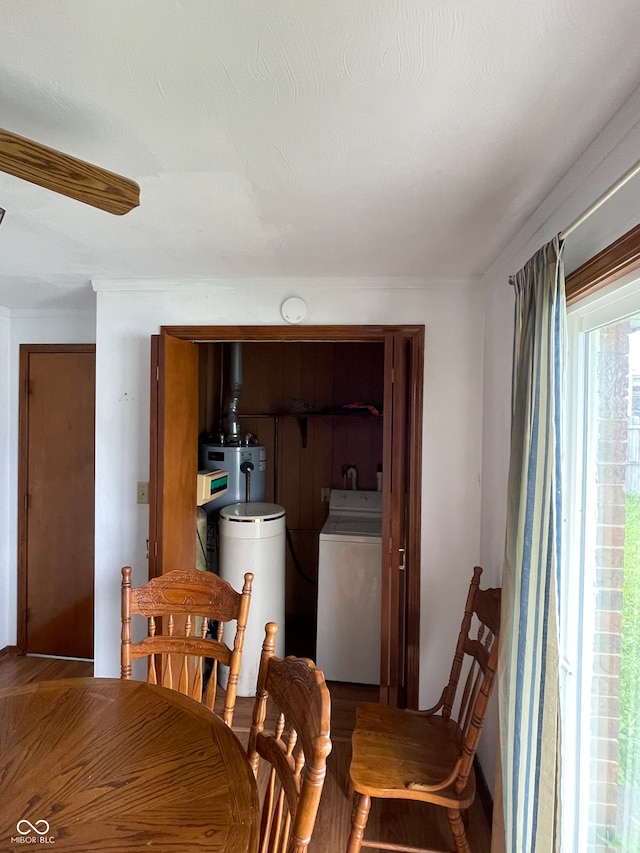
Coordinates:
<point>612,412</point>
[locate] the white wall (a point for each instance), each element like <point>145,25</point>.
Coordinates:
<point>23,327</point>
<point>610,155</point>
<point>452,314</point>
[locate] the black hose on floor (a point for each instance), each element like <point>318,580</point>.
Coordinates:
<point>296,562</point>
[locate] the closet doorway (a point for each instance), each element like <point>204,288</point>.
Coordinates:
<point>176,402</point>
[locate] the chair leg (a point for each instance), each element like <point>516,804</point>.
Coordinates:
<point>358,822</point>
<point>457,830</point>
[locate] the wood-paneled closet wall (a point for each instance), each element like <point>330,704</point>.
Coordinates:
<point>292,399</point>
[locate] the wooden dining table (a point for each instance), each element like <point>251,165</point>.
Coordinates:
<point>101,764</point>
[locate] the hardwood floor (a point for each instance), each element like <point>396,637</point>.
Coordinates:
<point>395,822</point>
<point>21,669</point>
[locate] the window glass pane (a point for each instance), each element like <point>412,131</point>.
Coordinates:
<point>608,625</point>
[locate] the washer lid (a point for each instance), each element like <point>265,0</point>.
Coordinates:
<point>350,502</point>
<point>348,526</point>
<point>251,512</point>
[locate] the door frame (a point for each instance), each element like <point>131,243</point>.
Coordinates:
<point>26,350</point>
<point>413,335</point>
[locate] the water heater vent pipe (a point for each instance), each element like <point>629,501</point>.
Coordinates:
<point>232,425</point>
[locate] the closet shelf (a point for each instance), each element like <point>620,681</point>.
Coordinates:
<point>332,412</point>
<point>336,412</point>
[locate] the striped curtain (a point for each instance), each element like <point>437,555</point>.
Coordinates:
<point>528,666</point>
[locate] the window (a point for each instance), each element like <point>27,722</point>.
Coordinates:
<point>600,595</point>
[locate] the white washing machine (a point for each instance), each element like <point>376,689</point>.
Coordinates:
<point>349,582</point>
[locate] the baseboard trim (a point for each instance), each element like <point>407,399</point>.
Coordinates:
<point>8,650</point>
<point>483,791</point>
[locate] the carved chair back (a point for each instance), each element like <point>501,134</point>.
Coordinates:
<point>180,608</point>
<point>466,696</point>
<point>295,751</point>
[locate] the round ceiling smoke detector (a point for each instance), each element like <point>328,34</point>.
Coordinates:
<point>294,309</point>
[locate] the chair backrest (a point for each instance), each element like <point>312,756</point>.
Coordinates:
<point>178,606</point>
<point>296,750</point>
<point>472,677</point>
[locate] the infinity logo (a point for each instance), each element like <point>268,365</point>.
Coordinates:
<point>32,827</point>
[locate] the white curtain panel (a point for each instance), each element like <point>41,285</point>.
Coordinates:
<point>528,667</point>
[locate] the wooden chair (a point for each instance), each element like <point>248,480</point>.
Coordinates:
<point>428,755</point>
<point>175,649</point>
<point>296,751</point>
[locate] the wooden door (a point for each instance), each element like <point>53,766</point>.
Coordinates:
<point>174,454</point>
<point>397,644</point>
<point>56,500</point>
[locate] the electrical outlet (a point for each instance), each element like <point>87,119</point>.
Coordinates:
<point>142,492</point>
<point>324,495</point>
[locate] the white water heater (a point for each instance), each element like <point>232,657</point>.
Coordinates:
<point>252,539</point>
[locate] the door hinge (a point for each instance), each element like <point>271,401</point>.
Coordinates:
<point>157,373</point>
<point>403,554</point>
<point>26,502</point>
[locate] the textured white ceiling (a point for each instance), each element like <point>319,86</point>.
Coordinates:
<point>296,137</point>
